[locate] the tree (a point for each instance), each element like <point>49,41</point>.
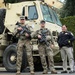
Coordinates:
<point>10,1</point>
<point>15,1</point>
<point>68,8</point>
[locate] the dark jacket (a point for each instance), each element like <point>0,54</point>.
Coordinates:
<point>65,39</point>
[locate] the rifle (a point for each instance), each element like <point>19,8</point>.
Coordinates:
<point>43,39</point>
<point>24,29</point>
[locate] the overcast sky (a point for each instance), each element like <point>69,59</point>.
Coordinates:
<point>62,0</point>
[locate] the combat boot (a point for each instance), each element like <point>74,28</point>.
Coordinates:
<point>32,72</point>
<point>54,72</point>
<point>45,72</point>
<point>18,73</point>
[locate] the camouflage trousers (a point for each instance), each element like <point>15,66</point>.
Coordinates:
<point>20,46</point>
<point>43,50</point>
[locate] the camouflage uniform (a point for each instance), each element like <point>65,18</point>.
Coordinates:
<point>44,49</point>
<point>24,42</point>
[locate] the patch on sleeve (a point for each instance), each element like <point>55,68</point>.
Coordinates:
<point>72,34</point>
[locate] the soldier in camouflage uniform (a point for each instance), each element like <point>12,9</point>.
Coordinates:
<point>24,42</point>
<point>43,49</point>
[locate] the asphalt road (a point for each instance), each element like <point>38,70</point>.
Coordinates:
<point>4,72</point>
<point>36,73</point>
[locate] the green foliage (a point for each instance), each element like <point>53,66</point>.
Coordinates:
<point>15,1</point>
<point>10,1</point>
<point>68,8</point>
<point>70,23</point>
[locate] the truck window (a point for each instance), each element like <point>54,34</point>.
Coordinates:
<point>46,13</point>
<point>50,15</point>
<point>32,13</point>
<point>57,21</point>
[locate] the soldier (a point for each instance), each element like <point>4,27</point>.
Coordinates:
<point>65,40</point>
<point>24,42</point>
<point>43,47</point>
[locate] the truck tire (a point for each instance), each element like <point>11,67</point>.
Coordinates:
<point>2,17</point>
<point>9,58</point>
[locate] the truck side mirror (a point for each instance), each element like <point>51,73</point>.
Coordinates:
<point>26,18</point>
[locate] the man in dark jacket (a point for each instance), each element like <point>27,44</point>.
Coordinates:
<point>65,40</point>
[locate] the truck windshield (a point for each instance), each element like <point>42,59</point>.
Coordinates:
<point>57,21</point>
<point>46,13</point>
<point>49,15</point>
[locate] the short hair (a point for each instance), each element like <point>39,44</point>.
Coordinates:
<point>64,25</point>
<point>42,21</point>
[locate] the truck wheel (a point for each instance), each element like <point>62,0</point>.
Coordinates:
<point>9,58</point>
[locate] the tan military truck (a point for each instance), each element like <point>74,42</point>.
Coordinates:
<point>34,11</point>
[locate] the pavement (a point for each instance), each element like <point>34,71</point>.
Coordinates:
<point>36,73</point>
<point>4,72</point>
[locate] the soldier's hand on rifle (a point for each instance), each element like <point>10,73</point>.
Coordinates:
<point>26,34</point>
<point>52,46</point>
<point>19,28</point>
<point>39,36</point>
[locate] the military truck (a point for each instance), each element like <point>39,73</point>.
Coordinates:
<point>34,12</point>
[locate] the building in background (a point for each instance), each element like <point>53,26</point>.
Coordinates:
<point>1,3</point>
<point>55,3</point>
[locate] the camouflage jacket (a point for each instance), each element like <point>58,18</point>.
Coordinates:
<point>49,37</point>
<point>22,36</point>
